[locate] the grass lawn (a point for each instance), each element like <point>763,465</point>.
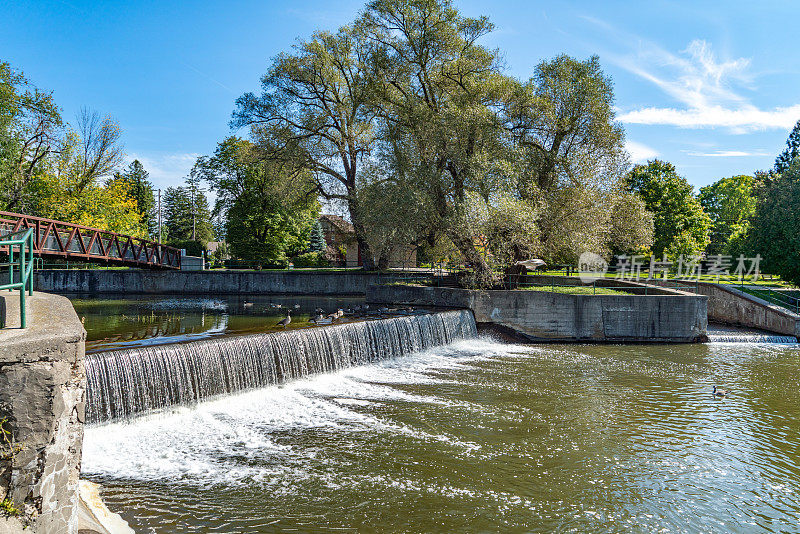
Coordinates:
<point>787,301</point>
<point>577,290</point>
<point>766,280</point>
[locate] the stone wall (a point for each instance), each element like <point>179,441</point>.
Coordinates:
<point>206,282</point>
<point>728,305</point>
<point>546,316</point>
<point>42,387</point>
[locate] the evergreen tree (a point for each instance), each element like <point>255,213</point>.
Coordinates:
<point>317,238</point>
<point>186,216</point>
<point>140,190</point>
<point>775,227</point>
<point>785,158</point>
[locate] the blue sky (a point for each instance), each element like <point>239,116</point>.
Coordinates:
<point>711,87</point>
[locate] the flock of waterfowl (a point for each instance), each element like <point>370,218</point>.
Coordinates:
<point>321,318</point>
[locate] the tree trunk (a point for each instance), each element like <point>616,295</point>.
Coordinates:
<point>366,254</point>
<point>383,260</point>
<point>465,245</point>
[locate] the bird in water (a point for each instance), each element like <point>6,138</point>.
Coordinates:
<point>719,392</point>
<point>318,318</point>
<point>286,320</point>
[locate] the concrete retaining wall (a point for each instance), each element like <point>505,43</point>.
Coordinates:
<point>206,282</point>
<point>544,316</point>
<point>728,305</point>
<point>42,387</point>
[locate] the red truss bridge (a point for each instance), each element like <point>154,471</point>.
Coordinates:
<point>73,242</point>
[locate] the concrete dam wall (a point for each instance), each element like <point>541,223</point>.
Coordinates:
<point>545,316</point>
<point>136,281</point>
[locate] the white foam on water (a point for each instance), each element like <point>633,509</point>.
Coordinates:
<point>238,438</point>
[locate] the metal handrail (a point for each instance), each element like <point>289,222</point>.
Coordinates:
<point>772,296</point>
<point>23,241</point>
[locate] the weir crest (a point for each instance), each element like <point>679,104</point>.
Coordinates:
<point>124,383</point>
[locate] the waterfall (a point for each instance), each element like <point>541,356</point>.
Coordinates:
<point>750,338</point>
<point>122,383</point>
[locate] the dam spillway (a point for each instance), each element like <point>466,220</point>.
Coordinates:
<point>124,383</point>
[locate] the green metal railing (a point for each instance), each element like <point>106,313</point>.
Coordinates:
<point>22,241</point>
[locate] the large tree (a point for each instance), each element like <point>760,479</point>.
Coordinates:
<point>30,132</point>
<point>268,205</point>
<point>731,203</point>
<point>438,91</point>
<point>680,224</point>
<point>100,150</point>
<point>314,112</point>
<point>572,160</point>
<point>775,230</point>
<point>563,117</point>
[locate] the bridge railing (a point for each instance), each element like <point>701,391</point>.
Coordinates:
<point>21,242</point>
<point>57,239</point>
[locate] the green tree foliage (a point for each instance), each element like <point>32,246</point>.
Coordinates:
<point>30,133</point>
<point>563,119</point>
<point>186,215</point>
<point>775,230</point>
<point>316,241</point>
<point>438,94</point>
<point>50,169</point>
<point>394,214</point>
<point>314,109</point>
<point>631,225</point>
<point>731,203</point>
<point>268,205</point>
<point>135,177</point>
<point>406,117</point>
<point>680,224</point>
<point>792,150</point>
<point>107,206</point>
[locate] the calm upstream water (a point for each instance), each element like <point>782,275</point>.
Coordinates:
<point>126,321</point>
<point>478,436</point>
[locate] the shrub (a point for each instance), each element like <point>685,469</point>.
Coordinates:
<point>311,259</point>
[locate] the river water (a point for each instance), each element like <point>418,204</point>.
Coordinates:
<point>478,436</point>
<point>125,321</point>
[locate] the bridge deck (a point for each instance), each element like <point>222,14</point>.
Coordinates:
<point>57,239</point>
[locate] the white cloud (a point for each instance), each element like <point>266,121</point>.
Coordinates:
<point>639,152</point>
<point>729,154</point>
<point>708,89</point>
<point>744,119</point>
<point>166,169</point>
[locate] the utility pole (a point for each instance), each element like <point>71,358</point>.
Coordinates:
<point>159,216</point>
<point>194,219</point>
<point>194,189</point>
